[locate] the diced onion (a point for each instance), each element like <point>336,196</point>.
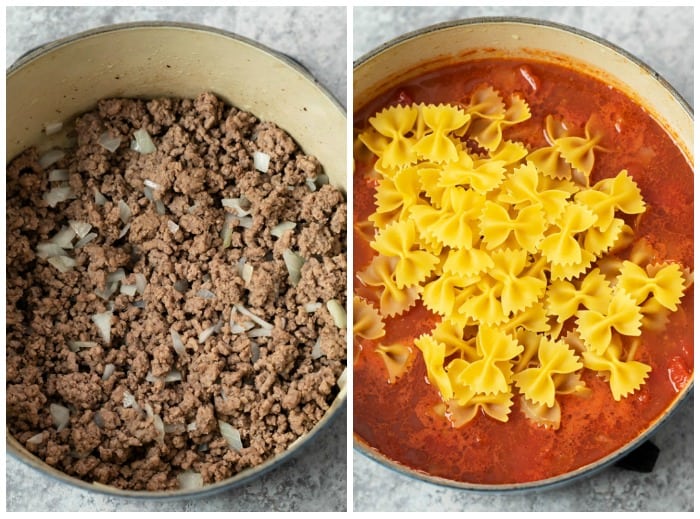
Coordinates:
<point>279,229</point>
<point>124,212</point>
<point>171,428</point>
<point>115,276</point>
<point>58,175</point>
<point>84,241</point>
<point>124,230</point>
<point>245,221</point>
<point>337,312</point>
<point>62,263</point>
<point>57,195</point>
<point>60,415</point>
<point>192,426</point>
<point>260,332</point>
<point>76,345</point>
<point>316,350</point>
<point>261,161</point>
<point>142,142</point>
<point>49,249</point>
<point>36,439</point>
<point>190,480</point>
<point>208,332</point>
<point>254,352</point>
<point>160,206</point>
<point>149,193</point>
<point>237,204</point>
<point>53,128</point>
<point>109,371</point>
<point>81,228</point>
<point>227,230</point>
<point>173,227</point>
<point>108,142</point>
<point>100,199</point>
<point>50,157</point>
<point>109,290</point>
<point>128,290</point>
<point>178,345</point>
<point>172,376</point>
<point>140,282</point>
<point>130,401</point>
<point>152,185</point>
<point>231,435</point>
<point>312,307</point>
<point>311,184</point>
<point>103,322</point>
<point>247,272</point>
<point>64,238</point>
<point>254,317</point>
<point>157,421</point>
<point>206,294</point>
<point>294,262</point>
<point>140,304</point>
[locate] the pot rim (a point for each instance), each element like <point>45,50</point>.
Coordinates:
<point>16,450</point>
<point>590,469</point>
<point>517,20</point>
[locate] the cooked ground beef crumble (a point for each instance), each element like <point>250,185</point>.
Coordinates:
<point>260,350</point>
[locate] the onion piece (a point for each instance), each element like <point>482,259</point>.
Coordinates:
<point>62,263</point>
<point>81,229</point>
<point>231,435</point>
<point>160,206</point>
<point>115,276</point>
<point>53,127</point>
<point>128,290</point>
<point>261,161</point>
<point>316,352</point>
<point>312,307</point>
<point>254,352</point>
<point>60,415</point>
<point>140,282</point>
<point>208,332</point>
<point>108,142</point>
<point>129,400</point>
<point>140,304</point>
<point>100,199</point>
<point>338,313</point>
<point>103,322</point>
<point>172,376</point>
<point>245,221</point>
<point>157,421</point>
<point>109,290</point>
<point>279,229</point>
<point>192,426</point>
<point>205,294</point>
<point>124,212</point>
<point>227,230</point>
<point>76,345</point>
<point>190,480</point>
<point>84,241</point>
<point>64,238</point>
<point>178,345</point>
<point>247,272</point>
<point>311,184</point>
<point>142,142</point>
<point>109,371</point>
<point>58,175</point>
<point>294,262</point>
<point>49,249</point>
<point>124,230</point>
<point>149,193</point>
<point>260,332</point>
<point>173,227</point>
<point>254,317</point>
<point>237,204</point>
<point>152,185</point>
<point>51,157</point>
<point>36,439</point>
<point>57,195</point>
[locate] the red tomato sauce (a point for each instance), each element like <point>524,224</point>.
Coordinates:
<point>399,420</point>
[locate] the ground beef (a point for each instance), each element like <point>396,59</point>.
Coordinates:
<point>142,411</point>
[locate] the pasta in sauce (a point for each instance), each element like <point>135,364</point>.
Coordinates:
<point>522,301</point>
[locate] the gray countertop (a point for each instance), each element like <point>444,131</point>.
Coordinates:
<point>316,479</point>
<point>663,38</point>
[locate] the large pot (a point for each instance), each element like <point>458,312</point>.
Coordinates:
<point>449,43</point>
<point>63,79</point>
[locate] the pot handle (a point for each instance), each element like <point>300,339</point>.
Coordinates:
<point>641,459</point>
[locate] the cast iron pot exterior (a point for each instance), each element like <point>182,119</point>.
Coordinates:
<point>66,78</point>
<point>445,44</point>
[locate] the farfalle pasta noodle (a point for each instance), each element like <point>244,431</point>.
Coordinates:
<point>525,278</point>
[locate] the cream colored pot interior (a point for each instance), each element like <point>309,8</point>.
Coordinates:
<point>179,61</point>
<point>454,43</point>
<point>65,79</point>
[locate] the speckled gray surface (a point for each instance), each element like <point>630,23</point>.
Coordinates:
<point>315,480</point>
<point>663,38</point>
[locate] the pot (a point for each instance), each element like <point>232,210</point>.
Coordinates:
<point>450,43</point>
<point>63,79</point>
